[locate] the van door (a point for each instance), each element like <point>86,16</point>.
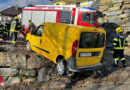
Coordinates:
<point>37,39</point>
<point>90,49</point>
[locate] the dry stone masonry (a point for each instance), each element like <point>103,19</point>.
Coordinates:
<point>117,13</point>
<point>16,67</point>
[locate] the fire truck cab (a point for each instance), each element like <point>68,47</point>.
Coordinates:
<point>70,14</point>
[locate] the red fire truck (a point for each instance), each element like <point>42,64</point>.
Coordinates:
<point>81,16</point>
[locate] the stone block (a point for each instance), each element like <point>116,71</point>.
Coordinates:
<point>8,72</point>
<point>126,1</point>
<point>3,59</point>
<point>117,1</point>
<point>124,15</point>
<point>34,62</point>
<point>12,80</point>
<point>127,11</point>
<point>114,13</point>
<point>117,5</point>
<point>17,60</point>
<point>114,8</point>
<point>126,6</point>
<point>114,19</point>
<point>28,72</point>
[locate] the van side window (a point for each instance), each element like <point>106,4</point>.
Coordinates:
<point>66,17</point>
<point>91,40</point>
<point>39,30</point>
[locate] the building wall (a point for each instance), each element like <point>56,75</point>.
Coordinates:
<point>82,4</point>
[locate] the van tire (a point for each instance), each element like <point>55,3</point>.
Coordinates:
<point>61,67</point>
<point>28,46</point>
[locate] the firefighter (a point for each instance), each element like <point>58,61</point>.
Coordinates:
<point>1,30</point>
<point>31,27</point>
<point>7,27</point>
<point>14,29</point>
<point>119,43</point>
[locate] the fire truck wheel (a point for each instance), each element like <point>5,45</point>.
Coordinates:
<point>28,46</point>
<point>61,67</point>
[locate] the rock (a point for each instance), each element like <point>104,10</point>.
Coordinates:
<point>114,8</point>
<point>127,11</point>
<point>47,73</point>
<point>34,62</point>
<point>117,1</point>
<point>103,8</point>
<point>124,20</point>
<point>126,29</point>
<point>124,15</point>
<point>128,24</point>
<point>126,1</point>
<point>126,6</point>
<point>104,12</point>
<point>117,5</point>
<point>15,60</point>
<point>114,13</point>
<point>8,72</point>
<point>28,72</point>
<point>57,85</point>
<point>12,80</point>
<point>3,59</point>
<point>114,19</point>
<point>29,80</point>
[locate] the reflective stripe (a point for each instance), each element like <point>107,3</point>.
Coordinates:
<point>122,59</point>
<point>12,28</point>
<point>14,31</point>
<point>119,48</point>
<point>115,39</point>
<point>116,62</point>
<point>13,41</point>
<point>116,59</point>
<point>114,44</point>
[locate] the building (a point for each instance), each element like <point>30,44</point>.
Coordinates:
<point>78,3</point>
<point>10,12</point>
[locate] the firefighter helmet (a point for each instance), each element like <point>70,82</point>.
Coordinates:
<point>119,29</point>
<point>16,17</point>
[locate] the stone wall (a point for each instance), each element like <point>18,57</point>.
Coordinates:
<point>21,66</point>
<point>117,13</point>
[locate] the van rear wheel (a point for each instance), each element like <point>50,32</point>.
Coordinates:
<point>28,46</point>
<point>61,67</point>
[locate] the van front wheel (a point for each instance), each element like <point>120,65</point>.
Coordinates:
<point>28,46</point>
<point>61,67</point>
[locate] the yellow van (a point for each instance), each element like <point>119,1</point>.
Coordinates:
<point>72,48</point>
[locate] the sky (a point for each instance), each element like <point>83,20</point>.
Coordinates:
<point>8,3</point>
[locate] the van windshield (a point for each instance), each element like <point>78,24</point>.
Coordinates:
<point>91,40</point>
<point>88,17</point>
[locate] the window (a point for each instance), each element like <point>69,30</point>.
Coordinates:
<point>88,17</point>
<point>91,40</point>
<point>65,17</point>
<point>39,30</point>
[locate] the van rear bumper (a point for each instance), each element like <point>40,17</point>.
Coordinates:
<point>71,65</point>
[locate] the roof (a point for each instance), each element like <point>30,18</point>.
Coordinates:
<point>12,11</point>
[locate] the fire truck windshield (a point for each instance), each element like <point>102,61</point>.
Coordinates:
<point>88,17</point>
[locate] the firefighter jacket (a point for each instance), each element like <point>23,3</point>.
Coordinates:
<point>119,42</point>
<point>7,25</point>
<point>15,26</point>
